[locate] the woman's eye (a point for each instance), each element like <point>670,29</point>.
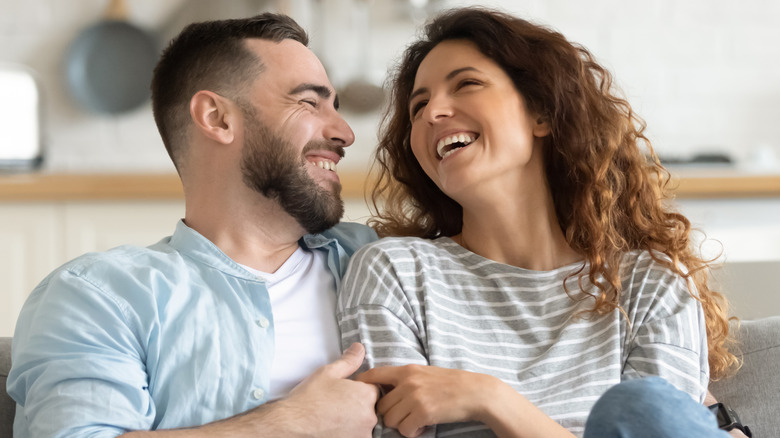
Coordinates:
<point>417,107</point>
<point>467,82</point>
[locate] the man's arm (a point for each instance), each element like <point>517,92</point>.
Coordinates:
<point>326,404</point>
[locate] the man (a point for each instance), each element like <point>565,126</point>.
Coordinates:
<point>182,334</point>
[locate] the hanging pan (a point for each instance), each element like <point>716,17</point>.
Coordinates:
<point>109,65</point>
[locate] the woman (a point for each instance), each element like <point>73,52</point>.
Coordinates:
<point>540,265</point>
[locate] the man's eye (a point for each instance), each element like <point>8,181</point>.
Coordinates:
<point>313,103</point>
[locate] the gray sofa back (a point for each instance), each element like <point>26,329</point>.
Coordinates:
<point>754,392</point>
<point>7,405</point>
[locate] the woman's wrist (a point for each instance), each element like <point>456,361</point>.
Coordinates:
<point>510,415</point>
<point>503,408</point>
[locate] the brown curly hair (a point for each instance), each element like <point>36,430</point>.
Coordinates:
<point>608,187</point>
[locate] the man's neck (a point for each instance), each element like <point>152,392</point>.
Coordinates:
<point>257,234</point>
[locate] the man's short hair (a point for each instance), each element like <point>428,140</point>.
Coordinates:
<point>210,55</point>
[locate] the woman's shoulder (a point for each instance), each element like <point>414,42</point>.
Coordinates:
<point>408,245</point>
<point>647,274</point>
<point>654,262</point>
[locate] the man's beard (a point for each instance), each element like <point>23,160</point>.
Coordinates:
<point>270,166</point>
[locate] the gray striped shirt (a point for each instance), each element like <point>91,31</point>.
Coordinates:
<point>411,300</point>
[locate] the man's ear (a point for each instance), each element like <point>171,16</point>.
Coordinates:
<point>214,116</point>
<point>541,127</point>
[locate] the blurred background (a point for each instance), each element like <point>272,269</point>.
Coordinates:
<point>76,177</point>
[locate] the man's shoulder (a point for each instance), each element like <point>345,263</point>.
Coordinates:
<point>125,258</point>
<point>351,235</point>
<point>116,269</point>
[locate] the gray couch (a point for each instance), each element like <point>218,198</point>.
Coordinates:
<point>754,392</point>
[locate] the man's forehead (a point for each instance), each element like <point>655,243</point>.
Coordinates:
<point>290,62</point>
<point>284,54</point>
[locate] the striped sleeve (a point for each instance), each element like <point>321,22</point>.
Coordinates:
<point>374,310</point>
<point>668,334</point>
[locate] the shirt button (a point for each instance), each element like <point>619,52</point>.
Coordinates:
<point>263,322</point>
<point>258,394</point>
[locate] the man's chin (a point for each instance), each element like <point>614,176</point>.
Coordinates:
<point>334,188</point>
<point>329,182</point>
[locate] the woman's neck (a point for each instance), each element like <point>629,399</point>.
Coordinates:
<point>523,234</point>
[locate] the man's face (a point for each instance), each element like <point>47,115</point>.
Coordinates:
<point>294,137</point>
<point>272,166</point>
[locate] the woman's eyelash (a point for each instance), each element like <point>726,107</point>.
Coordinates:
<point>465,82</point>
<point>418,106</point>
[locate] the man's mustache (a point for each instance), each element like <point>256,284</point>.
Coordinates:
<point>321,144</point>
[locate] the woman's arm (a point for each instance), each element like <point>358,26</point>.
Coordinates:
<point>711,400</point>
<point>667,335</point>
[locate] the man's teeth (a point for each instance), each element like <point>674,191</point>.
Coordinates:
<point>327,165</point>
<point>443,148</point>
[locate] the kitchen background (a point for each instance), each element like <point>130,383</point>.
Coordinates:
<point>704,74</point>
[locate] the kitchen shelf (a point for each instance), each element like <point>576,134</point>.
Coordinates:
<point>116,186</point>
<point>724,183</point>
<point>121,186</point>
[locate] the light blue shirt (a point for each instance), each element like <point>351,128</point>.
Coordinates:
<point>169,336</point>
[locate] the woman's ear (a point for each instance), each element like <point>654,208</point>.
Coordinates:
<point>214,116</point>
<point>541,127</point>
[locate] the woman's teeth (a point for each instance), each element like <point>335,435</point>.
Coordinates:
<point>448,145</point>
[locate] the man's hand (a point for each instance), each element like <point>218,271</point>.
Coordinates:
<point>329,404</point>
<point>326,404</point>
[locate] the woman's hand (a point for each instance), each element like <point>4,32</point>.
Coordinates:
<point>421,396</point>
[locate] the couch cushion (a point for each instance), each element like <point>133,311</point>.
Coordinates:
<point>754,392</point>
<point>7,405</point>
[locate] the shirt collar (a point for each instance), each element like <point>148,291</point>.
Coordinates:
<point>194,245</point>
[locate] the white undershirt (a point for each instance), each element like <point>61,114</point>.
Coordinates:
<point>303,302</point>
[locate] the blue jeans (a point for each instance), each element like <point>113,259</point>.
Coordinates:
<point>650,407</point>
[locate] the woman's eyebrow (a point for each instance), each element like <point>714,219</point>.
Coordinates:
<point>449,77</point>
<point>458,71</point>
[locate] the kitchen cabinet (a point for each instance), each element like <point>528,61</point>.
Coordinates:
<point>36,237</point>
<point>744,233</point>
<point>97,226</point>
<point>30,238</point>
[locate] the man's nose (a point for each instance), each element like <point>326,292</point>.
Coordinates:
<point>338,130</point>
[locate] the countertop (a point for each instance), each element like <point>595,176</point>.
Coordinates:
<point>23,187</point>
<point>686,183</point>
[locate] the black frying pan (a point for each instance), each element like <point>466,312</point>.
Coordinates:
<point>109,65</point>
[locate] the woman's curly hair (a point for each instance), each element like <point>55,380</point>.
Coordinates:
<point>607,184</point>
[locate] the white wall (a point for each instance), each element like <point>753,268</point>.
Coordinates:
<point>703,73</point>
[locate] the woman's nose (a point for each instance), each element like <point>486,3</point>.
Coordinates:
<point>438,108</point>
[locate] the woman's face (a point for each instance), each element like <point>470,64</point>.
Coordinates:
<point>470,127</point>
